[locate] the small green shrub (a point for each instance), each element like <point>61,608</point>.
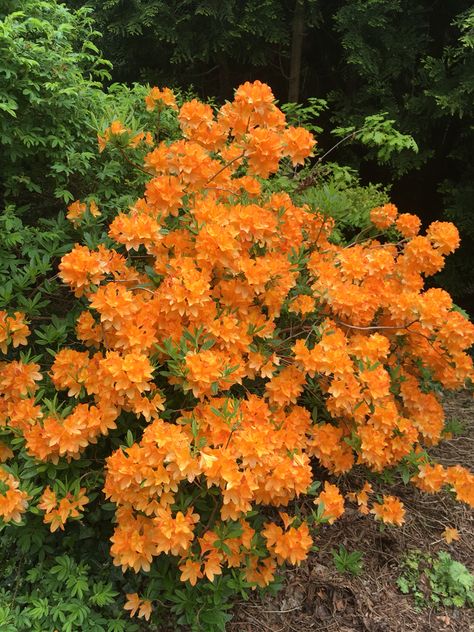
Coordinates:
<point>436,580</point>
<point>348,561</point>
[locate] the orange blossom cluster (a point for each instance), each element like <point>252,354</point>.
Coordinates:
<point>204,318</point>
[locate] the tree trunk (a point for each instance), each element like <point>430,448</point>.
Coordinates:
<point>296,51</point>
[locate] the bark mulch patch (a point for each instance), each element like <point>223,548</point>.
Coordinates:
<point>317,597</point>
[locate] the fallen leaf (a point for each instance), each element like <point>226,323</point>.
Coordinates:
<point>450,534</point>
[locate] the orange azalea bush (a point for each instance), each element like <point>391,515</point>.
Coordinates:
<point>237,346</point>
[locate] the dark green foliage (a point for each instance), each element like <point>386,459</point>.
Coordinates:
<point>335,189</point>
<point>394,58</point>
<point>189,33</point>
<point>342,197</point>
<point>452,75</point>
<point>49,73</point>
<point>192,40</point>
<point>46,593</point>
<point>452,87</point>
<point>26,260</point>
<point>52,105</point>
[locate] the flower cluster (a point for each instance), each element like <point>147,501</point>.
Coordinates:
<point>135,604</point>
<point>78,209</point>
<point>246,344</point>
<point>13,501</point>
<point>57,512</point>
<point>432,478</point>
<point>18,384</point>
<point>13,330</point>
<point>123,136</point>
<point>390,510</point>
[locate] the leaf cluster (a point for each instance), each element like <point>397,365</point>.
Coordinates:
<point>439,580</point>
<point>59,593</point>
<point>347,561</point>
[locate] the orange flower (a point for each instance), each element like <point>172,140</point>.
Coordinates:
<point>444,236</point>
<point>18,379</point>
<point>81,267</point>
<point>13,329</point>
<point>383,216</point>
<point>362,498</point>
<point>13,501</point>
<point>260,572</point>
<point>389,511</point>
<point>332,451</point>
<point>55,519</point>
<point>48,500</point>
<point>286,386</point>
<point>332,501</point>
<point>133,603</point>
<point>463,483</point>
<point>5,452</point>
<point>165,194</point>
<point>69,370</point>
<point>253,105</point>
<point>115,129</point>
<point>420,253</point>
<point>292,545</point>
<point>145,609</point>
<point>156,97</point>
<point>298,144</point>
<point>87,329</point>
<point>212,566</point>
<point>430,478</point>
<point>193,115</point>
<point>302,304</point>
<point>77,209</point>
<point>408,225</point>
<point>57,513</point>
<point>190,571</point>
<point>263,150</point>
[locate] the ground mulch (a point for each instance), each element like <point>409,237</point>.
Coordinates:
<point>317,597</point>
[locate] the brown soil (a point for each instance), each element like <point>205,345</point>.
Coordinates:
<point>316,597</point>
